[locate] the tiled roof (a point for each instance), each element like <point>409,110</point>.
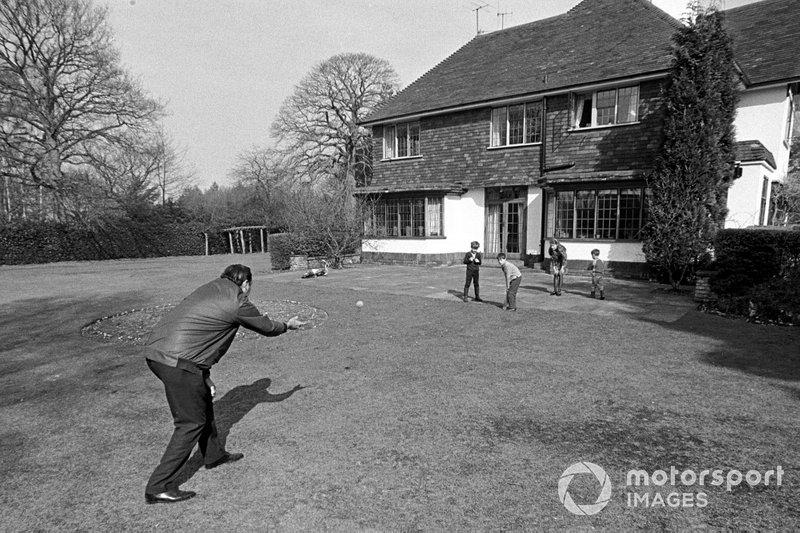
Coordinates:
<point>748,151</point>
<point>766,40</point>
<point>595,41</point>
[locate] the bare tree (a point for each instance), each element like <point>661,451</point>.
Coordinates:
<point>317,126</point>
<point>62,89</point>
<point>172,174</point>
<point>262,171</point>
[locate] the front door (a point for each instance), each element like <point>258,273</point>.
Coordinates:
<point>505,222</point>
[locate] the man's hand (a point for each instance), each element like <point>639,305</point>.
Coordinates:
<point>211,387</point>
<point>295,323</point>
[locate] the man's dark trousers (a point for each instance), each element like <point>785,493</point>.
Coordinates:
<point>473,275</point>
<point>192,409</point>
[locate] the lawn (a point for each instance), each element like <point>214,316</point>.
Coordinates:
<point>410,413</point>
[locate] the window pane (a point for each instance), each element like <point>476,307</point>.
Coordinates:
<point>607,214</point>
<point>584,213</point>
<point>392,228</point>
<point>606,102</point>
<point>565,204</point>
<point>418,217</point>
<point>630,205</point>
<point>516,121</point>
<point>402,140</point>
<point>499,126</point>
<point>533,122</point>
<point>388,142</point>
<point>404,207</point>
<point>627,104</point>
<point>379,211</point>
<point>413,138</point>
<point>583,111</point>
<point>433,217</point>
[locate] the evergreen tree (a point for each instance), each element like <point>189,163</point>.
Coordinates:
<point>697,162</point>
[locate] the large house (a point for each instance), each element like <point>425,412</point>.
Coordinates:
<point>549,129</point>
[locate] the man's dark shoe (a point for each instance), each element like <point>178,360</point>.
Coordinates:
<point>170,496</point>
<point>227,458</point>
<point>478,299</point>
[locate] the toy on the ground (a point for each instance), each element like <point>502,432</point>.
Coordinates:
<point>316,272</point>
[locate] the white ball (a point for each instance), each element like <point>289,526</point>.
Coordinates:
<point>359,304</point>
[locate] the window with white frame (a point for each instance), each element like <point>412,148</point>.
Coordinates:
<point>606,107</point>
<point>417,216</point>
<point>605,214</point>
<point>401,140</point>
<point>517,124</point>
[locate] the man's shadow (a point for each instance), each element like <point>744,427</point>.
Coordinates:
<point>229,410</point>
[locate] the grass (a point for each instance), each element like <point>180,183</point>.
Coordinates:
<point>408,414</point>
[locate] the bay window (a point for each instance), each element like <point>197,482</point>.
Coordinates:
<point>603,214</point>
<point>417,216</point>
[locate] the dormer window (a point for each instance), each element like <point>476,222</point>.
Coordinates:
<point>606,108</point>
<point>401,140</point>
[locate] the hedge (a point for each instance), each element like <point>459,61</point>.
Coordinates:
<point>115,238</point>
<point>756,274</point>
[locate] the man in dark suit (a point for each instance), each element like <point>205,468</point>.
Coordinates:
<point>180,352</point>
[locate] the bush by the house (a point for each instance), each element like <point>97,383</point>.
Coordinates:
<point>757,274</point>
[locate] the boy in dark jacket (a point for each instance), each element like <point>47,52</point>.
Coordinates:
<point>558,258</point>
<point>598,268</point>
<point>473,260</point>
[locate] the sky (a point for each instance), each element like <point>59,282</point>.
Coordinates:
<point>223,67</point>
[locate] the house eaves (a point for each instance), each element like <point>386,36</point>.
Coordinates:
<point>518,99</point>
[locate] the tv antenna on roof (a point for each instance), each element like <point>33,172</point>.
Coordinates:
<point>477,11</point>
<point>502,17</point>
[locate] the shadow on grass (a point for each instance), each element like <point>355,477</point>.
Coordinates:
<point>757,349</point>
<point>230,409</point>
<point>457,294</point>
<point>536,288</point>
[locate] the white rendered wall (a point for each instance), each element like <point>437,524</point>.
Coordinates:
<point>744,196</point>
<point>534,220</point>
<point>761,115</point>
<point>579,253</point>
<point>463,223</point>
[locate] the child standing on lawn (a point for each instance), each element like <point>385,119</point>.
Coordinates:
<point>513,279</point>
<point>473,260</point>
<point>558,257</point>
<point>598,268</point>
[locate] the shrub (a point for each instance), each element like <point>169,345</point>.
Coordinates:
<point>757,274</point>
<point>281,246</point>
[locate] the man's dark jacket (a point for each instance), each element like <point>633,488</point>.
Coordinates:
<point>198,332</point>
